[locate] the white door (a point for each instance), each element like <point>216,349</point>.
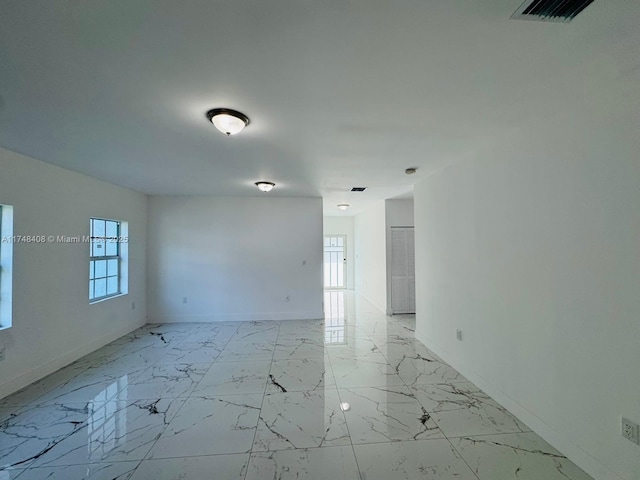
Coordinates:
<point>403,270</point>
<point>335,259</point>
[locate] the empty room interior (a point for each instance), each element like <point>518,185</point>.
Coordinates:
<point>286,239</point>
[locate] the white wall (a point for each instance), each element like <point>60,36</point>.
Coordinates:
<point>371,254</point>
<point>234,258</point>
<point>398,213</point>
<point>344,226</point>
<point>533,250</point>
<point>53,323</point>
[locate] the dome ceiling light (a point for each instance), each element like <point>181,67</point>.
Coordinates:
<point>265,186</point>
<point>343,206</point>
<point>230,122</point>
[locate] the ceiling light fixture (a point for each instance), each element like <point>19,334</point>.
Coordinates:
<point>230,122</point>
<point>411,170</point>
<point>343,206</point>
<point>265,186</point>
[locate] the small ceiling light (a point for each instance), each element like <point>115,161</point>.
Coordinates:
<point>228,121</point>
<point>343,206</point>
<point>265,186</point>
<point>345,407</point>
<point>411,171</point>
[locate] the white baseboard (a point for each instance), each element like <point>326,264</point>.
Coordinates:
<point>375,304</point>
<point>234,317</point>
<point>57,363</point>
<point>568,448</point>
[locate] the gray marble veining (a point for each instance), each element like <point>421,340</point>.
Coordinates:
<point>227,467</point>
<point>93,471</point>
<point>31,395</point>
<point>386,414</point>
<point>83,433</point>
<point>482,417</point>
<point>417,369</point>
<point>304,464</point>
<point>353,397</point>
<point>210,425</point>
<point>372,370</point>
<point>301,420</point>
<point>234,378</point>
<point>299,347</point>
<point>247,351</point>
<point>300,374</point>
<point>202,351</point>
<point>522,455</point>
<point>449,396</point>
<point>429,459</point>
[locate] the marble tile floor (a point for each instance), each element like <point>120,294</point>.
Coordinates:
<point>352,397</point>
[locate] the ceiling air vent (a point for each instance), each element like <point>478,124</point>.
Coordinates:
<point>550,10</point>
<point>358,189</point>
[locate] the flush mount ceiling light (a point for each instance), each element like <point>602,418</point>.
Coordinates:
<point>228,121</point>
<point>265,186</point>
<point>343,206</point>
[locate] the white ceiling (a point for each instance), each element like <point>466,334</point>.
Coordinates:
<point>340,93</point>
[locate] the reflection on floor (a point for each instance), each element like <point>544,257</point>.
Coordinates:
<point>351,397</point>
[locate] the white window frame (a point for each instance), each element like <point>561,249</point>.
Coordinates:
<point>121,257</point>
<point>6,266</point>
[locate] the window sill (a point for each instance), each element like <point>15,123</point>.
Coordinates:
<point>93,302</point>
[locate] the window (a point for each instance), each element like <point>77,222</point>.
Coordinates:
<point>6,265</point>
<point>105,263</point>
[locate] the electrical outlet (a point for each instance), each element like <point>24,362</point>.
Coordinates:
<point>630,430</point>
<point>459,335</point>
<point>184,299</point>
<point>133,305</point>
<point>1,352</point>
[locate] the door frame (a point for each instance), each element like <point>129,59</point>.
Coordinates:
<point>390,310</point>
